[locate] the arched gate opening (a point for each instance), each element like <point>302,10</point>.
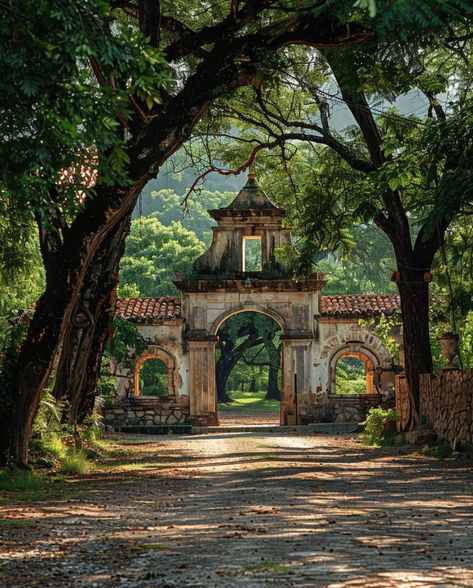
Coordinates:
<point>248,365</point>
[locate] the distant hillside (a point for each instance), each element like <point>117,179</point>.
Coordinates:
<point>180,184</point>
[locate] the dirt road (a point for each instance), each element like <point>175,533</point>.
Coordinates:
<point>233,510</point>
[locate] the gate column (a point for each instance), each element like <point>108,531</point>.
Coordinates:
<point>202,392</point>
<point>296,393</point>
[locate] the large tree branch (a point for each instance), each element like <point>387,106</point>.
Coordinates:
<point>191,41</point>
<point>150,20</point>
<point>397,223</point>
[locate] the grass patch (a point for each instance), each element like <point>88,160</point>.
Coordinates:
<point>13,479</point>
<point>254,401</point>
<point>74,462</point>
<point>269,565</point>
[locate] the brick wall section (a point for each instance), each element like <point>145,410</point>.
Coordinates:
<point>447,403</point>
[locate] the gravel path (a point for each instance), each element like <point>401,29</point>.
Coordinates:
<point>232,510</point>
<point>232,418</point>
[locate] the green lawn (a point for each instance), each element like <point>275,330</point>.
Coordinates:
<point>250,401</point>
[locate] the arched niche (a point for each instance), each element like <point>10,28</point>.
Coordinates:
<point>169,362</point>
<point>359,351</point>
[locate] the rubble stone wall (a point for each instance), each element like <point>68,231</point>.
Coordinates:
<point>146,412</point>
<point>345,408</point>
<point>447,403</point>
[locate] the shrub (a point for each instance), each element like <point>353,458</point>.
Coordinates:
<point>74,462</point>
<point>442,450</point>
<point>374,426</point>
<point>93,424</point>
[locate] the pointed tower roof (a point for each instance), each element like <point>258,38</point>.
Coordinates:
<point>252,199</point>
<point>251,196</point>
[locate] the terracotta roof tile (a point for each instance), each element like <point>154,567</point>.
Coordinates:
<point>361,305</point>
<point>147,310</point>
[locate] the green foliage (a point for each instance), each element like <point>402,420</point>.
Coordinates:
<point>373,433</point>
<point>48,444</point>
<point>74,462</point>
<point>53,439</point>
<point>154,378</point>
<point>14,479</point>
<point>155,253</point>
<point>442,450</point>
<point>127,341</point>
<point>387,329</point>
<point>107,382</point>
<point>54,116</point>
<point>166,206</point>
<point>350,376</point>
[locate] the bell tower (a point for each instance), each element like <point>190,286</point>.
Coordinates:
<point>244,241</point>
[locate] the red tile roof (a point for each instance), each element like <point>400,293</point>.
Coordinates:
<point>358,305</point>
<point>148,310</point>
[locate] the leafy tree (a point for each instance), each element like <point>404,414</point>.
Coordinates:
<point>155,253</point>
<point>168,208</point>
<point>59,134</point>
<point>409,175</point>
<point>213,52</point>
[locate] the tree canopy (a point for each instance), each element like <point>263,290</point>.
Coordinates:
<point>137,79</point>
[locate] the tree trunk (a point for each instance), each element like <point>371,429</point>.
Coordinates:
<point>65,273</point>
<point>417,351</point>
<point>223,370</point>
<point>86,333</point>
<point>32,369</point>
<point>273,391</point>
<point>274,355</point>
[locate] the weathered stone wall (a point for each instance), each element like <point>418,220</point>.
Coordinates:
<point>447,403</point>
<point>344,335</point>
<point>403,403</point>
<point>147,412</point>
<point>166,336</point>
<point>347,408</point>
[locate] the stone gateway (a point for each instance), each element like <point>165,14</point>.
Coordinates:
<point>240,272</point>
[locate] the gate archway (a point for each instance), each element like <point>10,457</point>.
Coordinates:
<point>248,381</point>
<point>222,286</point>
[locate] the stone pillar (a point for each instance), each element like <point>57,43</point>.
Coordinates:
<point>296,393</point>
<point>369,368</point>
<point>202,385</point>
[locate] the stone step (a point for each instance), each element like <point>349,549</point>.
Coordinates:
<point>250,429</point>
<point>344,427</point>
<point>151,429</point>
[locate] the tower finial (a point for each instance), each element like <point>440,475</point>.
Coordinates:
<point>252,172</point>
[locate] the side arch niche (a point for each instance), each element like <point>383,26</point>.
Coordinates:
<point>170,364</point>
<point>356,350</point>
